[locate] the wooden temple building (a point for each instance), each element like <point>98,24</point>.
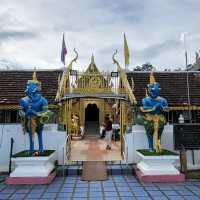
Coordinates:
<point>81,100</point>
<point>173,84</point>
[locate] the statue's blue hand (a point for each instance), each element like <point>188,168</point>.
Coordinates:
<point>31,112</point>
<point>22,113</point>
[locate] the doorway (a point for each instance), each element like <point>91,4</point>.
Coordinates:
<point>92,120</point>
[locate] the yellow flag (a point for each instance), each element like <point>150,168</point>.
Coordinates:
<point>126,51</point>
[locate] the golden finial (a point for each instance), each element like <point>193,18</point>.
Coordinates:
<point>152,78</point>
<point>34,76</point>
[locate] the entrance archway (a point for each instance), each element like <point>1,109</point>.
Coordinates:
<point>92,119</point>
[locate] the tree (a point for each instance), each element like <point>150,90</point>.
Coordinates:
<point>145,67</point>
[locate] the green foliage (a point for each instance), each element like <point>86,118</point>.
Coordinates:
<point>144,67</point>
<point>164,152</point>
<point>27,153</point>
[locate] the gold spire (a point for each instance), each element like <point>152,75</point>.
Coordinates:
<point>92,59</point>
<point>34,76</point>
<point>34,80</point>
<point>152,78</point>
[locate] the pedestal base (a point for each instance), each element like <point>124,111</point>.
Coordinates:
<point>159,178</point>
<point>32,169</point>
<point>30,180</point>
<point>157,164</point>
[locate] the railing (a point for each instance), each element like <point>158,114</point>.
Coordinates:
<point>125,150</point>
<point>66,150</point>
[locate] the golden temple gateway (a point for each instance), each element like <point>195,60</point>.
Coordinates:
<point>85,98</point>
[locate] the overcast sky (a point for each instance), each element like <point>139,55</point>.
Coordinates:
<point>31,31</point>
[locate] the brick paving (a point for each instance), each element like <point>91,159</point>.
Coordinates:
<point>123,187</point>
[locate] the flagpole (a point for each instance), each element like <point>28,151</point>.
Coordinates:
<point>187,80</point>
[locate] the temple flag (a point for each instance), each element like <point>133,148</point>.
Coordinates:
<point>63,51</point>
<point>126,51</point>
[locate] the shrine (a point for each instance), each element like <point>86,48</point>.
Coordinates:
<point>85,99</point>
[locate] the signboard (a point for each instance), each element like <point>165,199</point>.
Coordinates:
<point>187,136</point>
<point>73,72</point>
<point>114,74</point>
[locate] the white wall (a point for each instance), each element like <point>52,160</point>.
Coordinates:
<point>52,138</point>
<point>137,140</point>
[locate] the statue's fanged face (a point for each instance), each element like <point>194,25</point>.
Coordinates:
<point>154,89</point>
<point>31,88</point>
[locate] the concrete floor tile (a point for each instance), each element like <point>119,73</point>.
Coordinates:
<point>128,198</point>
<point>125,194</point>
<point>160,198</point>
<point>33,196</point>
<point>17,196</point>
<point>155,193</point>
<point>112,198</point>
<point>123,189</point>
<point>140,193</point>
<point>151,188</point>
<point>143,198</point>
<point>110,194</point>
<point>176,198</point>
<point>65,194</point>
<point>8,191</point>
<point>170,193</point>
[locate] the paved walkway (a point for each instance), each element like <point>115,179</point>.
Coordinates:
<point>94,149</point>
<point>117,187</point>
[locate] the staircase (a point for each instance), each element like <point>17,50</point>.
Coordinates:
<point>92,128</point>
<point>112,167</point>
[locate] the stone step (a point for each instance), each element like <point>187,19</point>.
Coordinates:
<point>112,169</point>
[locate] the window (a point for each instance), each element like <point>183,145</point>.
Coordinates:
<point>9,116</point>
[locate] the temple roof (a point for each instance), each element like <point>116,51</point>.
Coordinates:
<point>13,84</point>
<point>173,85</point>
<point>92,68</point>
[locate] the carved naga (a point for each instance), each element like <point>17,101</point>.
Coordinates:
<point>153,120</point>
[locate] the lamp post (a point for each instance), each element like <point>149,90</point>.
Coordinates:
<point>188,88</point>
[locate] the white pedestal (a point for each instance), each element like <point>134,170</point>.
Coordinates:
<point>157,165</point>
<point>33,166</point>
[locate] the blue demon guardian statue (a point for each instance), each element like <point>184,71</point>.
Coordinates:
<point>153,120</point>
<point>34,112</point>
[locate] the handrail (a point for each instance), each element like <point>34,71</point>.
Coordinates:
<point>66,150</point>
<point>125,153</point>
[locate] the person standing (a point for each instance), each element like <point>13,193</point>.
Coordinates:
<point>108,129</point>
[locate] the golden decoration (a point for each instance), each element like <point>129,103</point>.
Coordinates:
<point>152,78</point>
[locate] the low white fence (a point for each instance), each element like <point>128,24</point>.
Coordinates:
<point>137,140</point>
<point>52,139</point>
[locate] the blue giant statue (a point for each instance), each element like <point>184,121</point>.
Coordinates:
<point>34,112</point>
<point>153,120</point>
